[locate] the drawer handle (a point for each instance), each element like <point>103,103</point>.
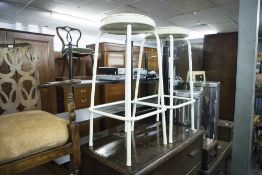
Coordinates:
<point>83,100</point>
<point>193,153</point>
<point>82,90</point>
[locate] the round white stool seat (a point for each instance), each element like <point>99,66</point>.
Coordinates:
<point>116,24</point>
<point>176,32</point>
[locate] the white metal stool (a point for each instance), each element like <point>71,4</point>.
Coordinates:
<point>128,24</point>
<point>172,33</point>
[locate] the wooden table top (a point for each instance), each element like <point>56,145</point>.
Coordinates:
<point>148,150</point>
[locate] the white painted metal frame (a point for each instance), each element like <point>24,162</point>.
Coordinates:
<point>171,87</point>
<point>190,101</point>
<point>130,118</point>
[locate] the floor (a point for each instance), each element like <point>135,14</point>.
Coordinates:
<point>50,168</point>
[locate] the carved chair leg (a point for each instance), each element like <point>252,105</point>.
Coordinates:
<point>74,138</point>
<point>75,157</point>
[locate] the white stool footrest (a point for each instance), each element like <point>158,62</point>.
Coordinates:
<point>96,110</point>
<point>188,102</point>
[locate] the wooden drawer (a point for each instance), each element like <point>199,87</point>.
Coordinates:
<point>83,102</point>
<point>184,162</point>
<point>82,92</point>
<point>82,97</point>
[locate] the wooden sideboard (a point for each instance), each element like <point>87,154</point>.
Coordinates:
<point>149,155</point>
<point>43,46</point>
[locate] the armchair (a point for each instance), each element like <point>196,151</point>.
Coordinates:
<point>28,136</point>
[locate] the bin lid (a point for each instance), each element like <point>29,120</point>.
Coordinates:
<point>186,93</point>
<point>206,84</point>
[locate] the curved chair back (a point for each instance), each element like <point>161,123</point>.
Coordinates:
<point>19,78</point>
<point>68,35</point>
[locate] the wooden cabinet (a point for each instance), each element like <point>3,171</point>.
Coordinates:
<point>43,46</point>
<point>82,97</point>
<point>149,156</point>
<point>219,62</point>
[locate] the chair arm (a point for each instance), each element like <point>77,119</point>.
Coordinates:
<point>60,83</point>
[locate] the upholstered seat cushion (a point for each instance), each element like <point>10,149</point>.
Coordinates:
<point>117,23</point>
<point>79,52</point>
<point>29,132</point>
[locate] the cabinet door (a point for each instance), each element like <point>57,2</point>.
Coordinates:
<point>43,46</point>
<point>113,92</point>
<point>219,62</point>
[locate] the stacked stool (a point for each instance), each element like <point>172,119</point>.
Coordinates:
<point>177,33</point>
<point>129,24</point>
<point>173,33</point>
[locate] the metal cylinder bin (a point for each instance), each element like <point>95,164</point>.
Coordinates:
<point>211,99</point>
<point>183,115</point>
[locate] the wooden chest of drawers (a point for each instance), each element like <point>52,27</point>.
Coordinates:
<point>81,96</point>
<point>149,156</point>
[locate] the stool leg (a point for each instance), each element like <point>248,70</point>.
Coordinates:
<point>158,101</point>
<point>138,80</point>
<point>93,89</point>
<point>171,100</point>
<point>128,90</point>
<point>191,83</point>
<point>158,97</point>
<point>159,55</point>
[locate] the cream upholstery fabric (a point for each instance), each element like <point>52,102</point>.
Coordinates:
<point>29,132</point>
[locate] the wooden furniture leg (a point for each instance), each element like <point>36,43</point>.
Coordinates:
<point>75,156</point>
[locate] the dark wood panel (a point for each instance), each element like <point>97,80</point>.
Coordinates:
<point>182,63</point>
<point>219,62</point>
<point>50,168</point>
<point>84,127</point>
<point>112,92</point>
<point>35,160</point>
